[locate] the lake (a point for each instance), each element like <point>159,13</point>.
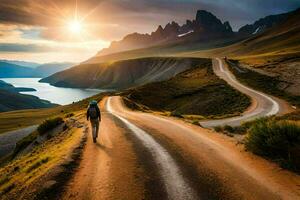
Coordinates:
<point>62,96</point>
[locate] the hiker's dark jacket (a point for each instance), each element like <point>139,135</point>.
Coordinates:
<point>98,112</point>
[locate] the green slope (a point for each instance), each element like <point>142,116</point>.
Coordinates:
<point>197,91</point>
<point>15,101</point>
<point>121,74</point>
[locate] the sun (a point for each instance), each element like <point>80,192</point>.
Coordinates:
<point>75,27</point>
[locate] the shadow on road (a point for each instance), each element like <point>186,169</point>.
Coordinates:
<point>107,150</point>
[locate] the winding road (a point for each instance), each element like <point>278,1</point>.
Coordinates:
<point>145,156</point>
<point>262,104</point>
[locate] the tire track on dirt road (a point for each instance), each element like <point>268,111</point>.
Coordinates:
<point>175,184</point>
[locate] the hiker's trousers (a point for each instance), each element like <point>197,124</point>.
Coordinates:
<point>95,125</point>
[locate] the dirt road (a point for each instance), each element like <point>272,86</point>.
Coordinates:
<point>262,104</point>
<point>143,156</point>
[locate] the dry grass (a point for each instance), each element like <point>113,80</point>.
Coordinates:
<point>10,121</point>
<point>195,92</point>
<point>278,140</point>
<point>21,173</point>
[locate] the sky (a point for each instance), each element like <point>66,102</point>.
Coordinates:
<point>74,30</point>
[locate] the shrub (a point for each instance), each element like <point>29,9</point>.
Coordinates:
<point>69,115</point>
<point>218,128</point>
<point>23,143</point>
<point>196,122</point>
<point>278,140</point>
<point>49,125</point>
<point>176,114</point>
<point>37,164</point>
<point>7,188</point>
<point>229,129</point>
<point>240,130</point>
<point>4,180</point>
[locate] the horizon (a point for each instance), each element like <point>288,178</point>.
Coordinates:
<point>84,28</point>
<point>193,99</point>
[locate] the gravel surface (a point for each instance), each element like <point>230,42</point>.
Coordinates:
<point>8,140</point>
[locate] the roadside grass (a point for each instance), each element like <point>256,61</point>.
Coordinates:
<point>10,121</point>
<point>24,142</point>
<point>4,179</point>
<point>44,127</point>
<point>293,116</point>
<point>278,140</point>
<point>37,164</point>
<point>49,124</point>
<point>22,173</point>
<point>262,82</point>
<point>23,176</point>
<point>241,130</point>
<point>195,92</point>
<point>69,115</point>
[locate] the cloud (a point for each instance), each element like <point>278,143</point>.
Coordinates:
<point>28,48</point>
<point>40,26</point>
<point>137,13</point>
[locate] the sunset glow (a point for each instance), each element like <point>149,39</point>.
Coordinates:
<point>74,30</point>
<point>75,27</point>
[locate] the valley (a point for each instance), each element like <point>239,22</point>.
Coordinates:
<point>196,93</point>
<point>50,93</point>
<point>192,110</point>
<point>122,74</point>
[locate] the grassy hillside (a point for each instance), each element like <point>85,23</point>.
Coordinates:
<point>281,39</point>
<point>20,119</point>
<point>15,101</point>
<point>37,171</point>
<point>11,88</point>
<point>121,74</point>
<point>166,50</point>
<point>279,78</point>
<point>197,91</point>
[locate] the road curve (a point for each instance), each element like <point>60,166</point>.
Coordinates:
<point>215,156</point>
<point>262,104</point>
<point>176,187</point>
<point>145,156</point>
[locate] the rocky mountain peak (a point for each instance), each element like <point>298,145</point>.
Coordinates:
<point>207,19</point>
<point>206,26</point>
<point>227,26</point>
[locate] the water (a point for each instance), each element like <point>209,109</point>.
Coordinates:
<point>62,96</point>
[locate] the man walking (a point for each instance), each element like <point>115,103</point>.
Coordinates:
<point>93,114</point>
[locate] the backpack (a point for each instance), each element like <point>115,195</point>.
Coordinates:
<point>93,112</point>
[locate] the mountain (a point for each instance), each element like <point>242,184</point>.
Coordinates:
<point>9,70</point>
<point>206,27</point>
<point>11,88</point>
<point>51,68</point>
<point>280,40</point>
<point>121,74</point>
<point>11,99</point>
<point>22,63</point>
<point>263,24</point>
<point>109,72</point>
